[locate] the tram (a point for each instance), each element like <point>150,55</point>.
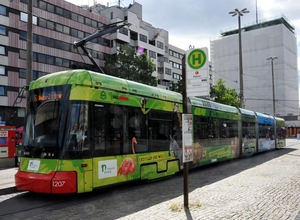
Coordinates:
<point>85,130</point>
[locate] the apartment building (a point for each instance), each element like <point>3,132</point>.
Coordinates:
<point>265,39</point>
<point>56,26</point>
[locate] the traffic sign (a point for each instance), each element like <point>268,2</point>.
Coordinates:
<point>196,59</point>
<point>197,83</point>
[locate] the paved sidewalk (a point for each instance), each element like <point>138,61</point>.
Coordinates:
<point>263,187</point>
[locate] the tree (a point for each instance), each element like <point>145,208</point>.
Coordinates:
<point>128,64</point>
<point>224,95</point>
<point>177,87</point>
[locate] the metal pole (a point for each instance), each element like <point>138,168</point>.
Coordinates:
<point>29,43</point>
<point>239,14</point>
<point>185,110</point>
<point>272,58</point>
<point>29,51</point>
<point>274,108</point>
<point>241,65</point>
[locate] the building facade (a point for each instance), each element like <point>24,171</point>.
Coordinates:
<point>56,26</point>
<point>260,41</point>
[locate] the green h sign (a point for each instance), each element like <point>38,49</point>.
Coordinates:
<point>196,59</point>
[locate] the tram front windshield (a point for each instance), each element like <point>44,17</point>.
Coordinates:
<point>53,125</point>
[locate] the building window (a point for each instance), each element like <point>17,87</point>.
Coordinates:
<point>160,70</point>
<point>58,44</point>
<point>133,35</point>
<point>37,74</point>
<point>43,5</point>
<point>2,10</point>
<point>66,30</point>
<point>50,8</point>
<point>22,73</point>
<point>42,40</point>
<point>66,63</point>
<point>160,45</point>
<point>111,15</point>
<point>50,60</point>
<point>50,42</point>
<point>176,76</point>
<point>80,34</point>
<point>2,50</point>
<point>58,61</point>
<point>168,71</point>
<point>23,35</point>
<point>2,30</point>
<point>42,58</point>
<point>88,21</point>
<point>66,46</point>
<point>59,11</point>
<point>143,38</point>
<point>24,17</point>
<point>59,27</point>
<point>152,54</point>
<point>23,54</point>
<point>2,70</point>
<point>124,31</point>
<point>50,25</point>
<point>80,19</point>
<point>94,23</point>
<point>74,16</point>
<point>74,32</point>
<point>2,90</point>
<point>42,23</point>
<point>67,14</point>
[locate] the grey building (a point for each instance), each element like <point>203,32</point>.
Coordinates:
<point>268,38</point>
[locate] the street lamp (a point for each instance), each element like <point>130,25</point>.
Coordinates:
<point>240,13</point>
<point>272,59</point>
<point>274,110</point>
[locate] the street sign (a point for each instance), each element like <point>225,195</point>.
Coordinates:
<point>197,72</point>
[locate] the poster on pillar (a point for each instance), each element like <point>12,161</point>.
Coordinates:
<point>187,140</point>
<point>197,83</point>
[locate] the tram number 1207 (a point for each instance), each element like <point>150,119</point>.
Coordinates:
<point>58,183</point>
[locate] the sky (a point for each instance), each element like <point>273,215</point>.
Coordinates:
<point>196,22</point>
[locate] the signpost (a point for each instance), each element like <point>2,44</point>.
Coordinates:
<point>194,83</point>
<point>197,72</point>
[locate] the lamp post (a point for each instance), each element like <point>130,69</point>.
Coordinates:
<point>274,110</point>
<point>240,13</point>
<point>272,59</point>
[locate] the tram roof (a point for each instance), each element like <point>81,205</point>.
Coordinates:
<point>99,80</point>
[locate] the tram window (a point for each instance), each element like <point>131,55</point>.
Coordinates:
<point>79,138</point>
<point>248,130</point>
<point>99,116</point>
<point>228,128</point>
<point>115,121</point>
<point>201,130</point>
<point>160,130</point>
<point>108,129</point>
<point>137,126</point>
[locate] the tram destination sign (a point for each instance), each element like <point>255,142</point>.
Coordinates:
<point>197,72</point>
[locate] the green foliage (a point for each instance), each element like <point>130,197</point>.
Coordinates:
<point>177,87</point>
<point>224,95</point>
<point>127,64</point>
